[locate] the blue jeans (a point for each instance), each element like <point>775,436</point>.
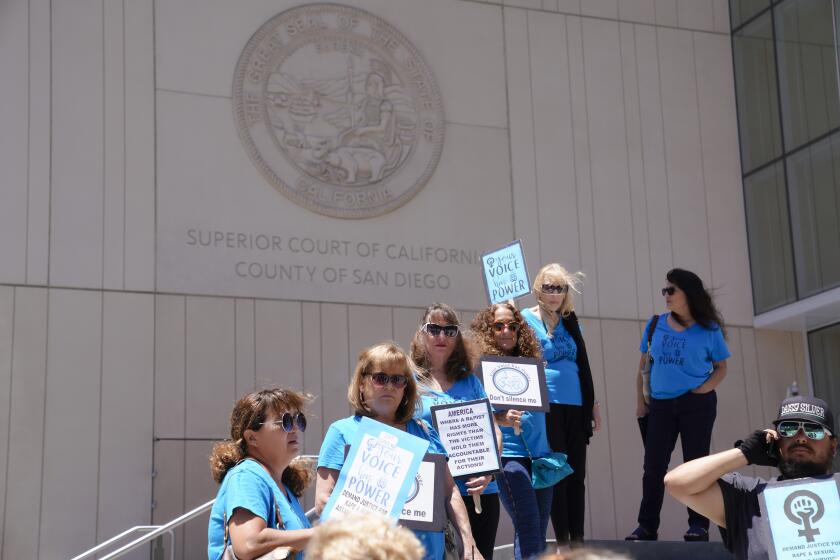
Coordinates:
<point>529,509</point>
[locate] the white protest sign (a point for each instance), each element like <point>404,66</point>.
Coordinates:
<point>424,509</point>
<point>514,383</point>
<point>466,431</point>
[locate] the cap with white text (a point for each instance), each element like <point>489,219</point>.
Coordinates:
<point>807,409</point>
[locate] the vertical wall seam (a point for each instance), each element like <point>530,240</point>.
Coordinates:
<point>664,142</point>
<point>235,344</point>
<point>101,380</point>
<point>50,205</point>
<point>609,432</point>
<point>627,151</point>
<point>509,134</point>
<point>574,144</point>
<point>46,393</point>
<point>702,158</point>
<point>28,151</point>
<point>155,150</point>
<point>8,424</point>
<point>104,169</point>
<point>124,150</point>
<point>644,166</point>
<point>589,161</point>
<point>533,131</point>
<point>254,345</point>
<point>154,404</point>
<point>320,360</point>
<point>184,425</point>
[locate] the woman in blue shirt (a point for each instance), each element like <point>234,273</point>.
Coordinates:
<point>444,375</point>
<point>500,330</point>
<point>383,388</point>
<point>257,508</point>
<point>689,361</point>
<point>574,413</point>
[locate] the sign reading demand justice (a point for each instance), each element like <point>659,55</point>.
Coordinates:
<point>338,110</point>
<point>804,518</point>
<point>517,383</point>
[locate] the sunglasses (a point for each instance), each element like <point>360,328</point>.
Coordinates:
<point>383,379</point>
<point>512,326</point>
<point>289,422</point>
<point>789,429</point>
<point>669,291</point>
<point>554,288</point>
<point>450,331</point>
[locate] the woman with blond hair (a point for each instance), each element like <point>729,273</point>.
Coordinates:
<point>363,536</point>
<point>445,364</point>
<point>573,413</point>
<point>383,388</point>
<point>257,508</point>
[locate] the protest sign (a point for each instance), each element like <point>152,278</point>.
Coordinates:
<point>505,274</point>
<point>517,383</point>
<point>424,509</point>
<point>466,430</point>
<point>804,518</point>
<point>378,472</point>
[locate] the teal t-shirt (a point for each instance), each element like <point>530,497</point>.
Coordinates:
<point>331,456</point>
<point>249,486</point>
<point>682,361</point>
<point>560,354</point>
<point>468,388</point>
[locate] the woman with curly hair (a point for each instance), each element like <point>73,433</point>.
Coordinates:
<point>573,413</point>
<point>445,364</point>
<point>500,330</point>
<point>257,508</point>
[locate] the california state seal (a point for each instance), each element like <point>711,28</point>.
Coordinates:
<point>338,110</point>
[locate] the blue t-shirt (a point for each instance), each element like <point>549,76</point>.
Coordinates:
<point>468,388</point>
<point>249,486</point>
<point>682,361</point>
<point>533,431</point>
<point>560,354</point>
<point>331,456</point>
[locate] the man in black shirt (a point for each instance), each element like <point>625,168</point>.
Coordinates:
<point>802,444</point>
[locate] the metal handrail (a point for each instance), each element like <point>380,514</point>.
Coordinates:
<point>157,530</point>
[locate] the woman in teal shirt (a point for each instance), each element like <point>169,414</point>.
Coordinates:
<point>257,508</point>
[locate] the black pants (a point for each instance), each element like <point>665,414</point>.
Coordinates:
<point>692,417</point>
<point>484,526</point>
<point>567,434</point>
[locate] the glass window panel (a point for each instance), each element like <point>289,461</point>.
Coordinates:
<point>742,10</point>
<point>758,107</point>
<point>824,347</point>
<point>768,229</point>
<point>814,184</point>
<point>807,71</point>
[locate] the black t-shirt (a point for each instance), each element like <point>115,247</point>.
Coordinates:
<point>747,534</point>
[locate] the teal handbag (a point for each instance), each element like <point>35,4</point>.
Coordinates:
<point>549,470</point>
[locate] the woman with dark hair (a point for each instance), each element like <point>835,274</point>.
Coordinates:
<point>574,413</point>
<point>445,363</point>
<point>689,361</point>
<point>500,330</point>
<point>257,508</point>
<point>383,388</point>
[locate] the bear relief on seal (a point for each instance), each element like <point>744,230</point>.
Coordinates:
<point>338,111</point>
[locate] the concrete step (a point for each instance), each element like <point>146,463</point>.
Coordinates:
<point>658,550</point>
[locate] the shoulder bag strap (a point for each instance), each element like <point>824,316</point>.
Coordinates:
<point>653,321</point>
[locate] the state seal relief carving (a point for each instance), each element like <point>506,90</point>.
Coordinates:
<point>338,110</point>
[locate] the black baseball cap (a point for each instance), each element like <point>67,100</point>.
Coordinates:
<point>808,409</point>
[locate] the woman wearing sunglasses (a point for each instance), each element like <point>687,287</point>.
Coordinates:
<point>689,361</point>
<point>444,375</point>
<point>574,413</point>
<point>500,330</point>
<point>257,509</point>
<point>383,388</point>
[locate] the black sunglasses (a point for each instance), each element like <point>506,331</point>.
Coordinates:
<point>449,331</point>
<point>381,379</point>
<point>554,288</point>
<point>512,326</point>
<point>669,291</point>
<point>289,422</point>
